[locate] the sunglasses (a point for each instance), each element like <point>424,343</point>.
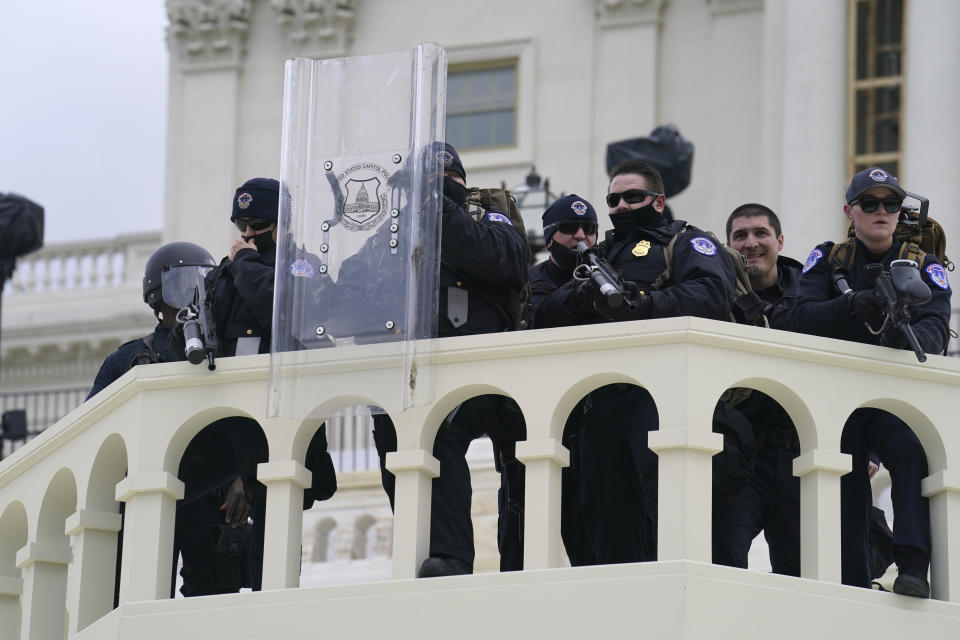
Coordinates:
<point>570,228</point>
<point>870,205</point>
<point>257,224</point>
<point>631,196</point>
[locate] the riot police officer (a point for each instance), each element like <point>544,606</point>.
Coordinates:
<point>873,206</point>
<point>218,466</point>
<point>618,472</point>
<point>483,264</point>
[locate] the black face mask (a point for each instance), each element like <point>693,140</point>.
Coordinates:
<point>642,218</point>
<point>455,191</point>
<point>565,258</point>
<point>264,242</point>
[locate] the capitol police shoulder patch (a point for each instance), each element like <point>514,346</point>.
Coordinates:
<point>812,260</point>
<point>704,246</point>
<point>301,268</point>
<point>495,216</point>
<point>938,276</point>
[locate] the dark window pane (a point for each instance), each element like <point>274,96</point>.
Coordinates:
<point>481,107</point>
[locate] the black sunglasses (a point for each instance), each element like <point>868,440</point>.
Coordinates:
<point>570,228</point>
<point>257,224</point>
<point>632,196</point>
<point>870,205</point>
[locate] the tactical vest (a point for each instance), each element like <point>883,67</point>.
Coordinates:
<point>479,202</point>
<point>748,307</point>
<point>917,233</point>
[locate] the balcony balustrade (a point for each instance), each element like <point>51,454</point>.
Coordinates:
<point>59,509</point>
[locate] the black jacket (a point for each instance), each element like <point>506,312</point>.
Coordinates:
<point>243,298</point>
<point>821,310</point>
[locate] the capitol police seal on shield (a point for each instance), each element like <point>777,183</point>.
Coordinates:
<point>364,187</point>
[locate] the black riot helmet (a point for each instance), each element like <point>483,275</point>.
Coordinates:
<point>167,257</point>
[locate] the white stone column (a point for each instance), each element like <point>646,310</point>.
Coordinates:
<point>414,470</point>
<point>819,471</point>
<point>285,481</point>
<point>543,460</point>
<point>943,489</point>
<point>931,108</point>
<point>10,590</point>
<point>813,168</point>
<point>624,105</point>
<point>684,507</point>
<point>207,46</point>
<point>92,573</point>
<point>774,32</point>
<point>44,570</point>
<point>146,565</point>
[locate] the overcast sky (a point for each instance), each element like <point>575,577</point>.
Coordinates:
<point>83,97</point>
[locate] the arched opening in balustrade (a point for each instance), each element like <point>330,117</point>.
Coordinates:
<point>887,433</point>
<point>754,489</point>
<point>218,467</point>
<point>362,541</point>
<point>321,540</point>
<point>457,422</point>
<point>103,549</point>
<point>13,537</point>
<point>47,601</point>
<point>609,490</point>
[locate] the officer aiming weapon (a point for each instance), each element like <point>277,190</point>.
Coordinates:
<point>599,272</point>
<point>198,333</point>
<point>896,289</point>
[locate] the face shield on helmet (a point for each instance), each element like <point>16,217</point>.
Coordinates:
<point>183,285</point>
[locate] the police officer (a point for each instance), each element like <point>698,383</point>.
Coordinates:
<point>217,467</point>
<point>483,263</point>
<point>241,287</point>
<point>618,490</point>
<point>873,206</point>
<point>769,499</point>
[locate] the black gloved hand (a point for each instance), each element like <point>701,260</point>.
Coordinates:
<point>865,307</point>
<point>582,297</point>
<point>635,306</point>
<point>894,338</point>
<point>455,191</point>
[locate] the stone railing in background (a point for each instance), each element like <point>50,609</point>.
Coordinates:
<point>106,263</point>
<point>59,509</point>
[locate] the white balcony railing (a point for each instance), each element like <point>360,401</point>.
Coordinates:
<point>59,511</point>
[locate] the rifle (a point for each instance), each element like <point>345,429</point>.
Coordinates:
<point>599,272</point>
<point>897,289</point>
<point>198,329</point>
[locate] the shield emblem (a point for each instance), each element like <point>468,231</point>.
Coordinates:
<point>363,199</point>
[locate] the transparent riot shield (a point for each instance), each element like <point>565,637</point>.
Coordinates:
<point>359,228</point>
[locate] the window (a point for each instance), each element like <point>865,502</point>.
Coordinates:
<point>875,84</point>
<point>482,105</point>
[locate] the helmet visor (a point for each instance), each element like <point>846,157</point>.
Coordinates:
<point>182,285</point>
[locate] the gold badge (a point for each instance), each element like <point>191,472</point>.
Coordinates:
<point>641,249</point>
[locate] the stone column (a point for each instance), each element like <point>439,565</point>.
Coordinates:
<point>931,108</point>
<point>414,470</point>
<point>819,471</point>
<point>207,46</point>
<point>943,489</point>
<point>151,510</point>
<point>44,570</point>
<point>627,31</point>
<point>813,167</point>
<point>543,459</point>
<point>683,500</point>
<point>285,480</point>
<point>92,573</point>
<point>10,590</point>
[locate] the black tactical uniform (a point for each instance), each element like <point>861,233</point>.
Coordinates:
<point>618,472</point>
<point>770,497</point>
<point>483,262</point>
<point>145,350</point>
<point>821,310</point>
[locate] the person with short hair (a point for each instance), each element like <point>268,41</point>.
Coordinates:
<point>769,499</point>
<point>873,206</point>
